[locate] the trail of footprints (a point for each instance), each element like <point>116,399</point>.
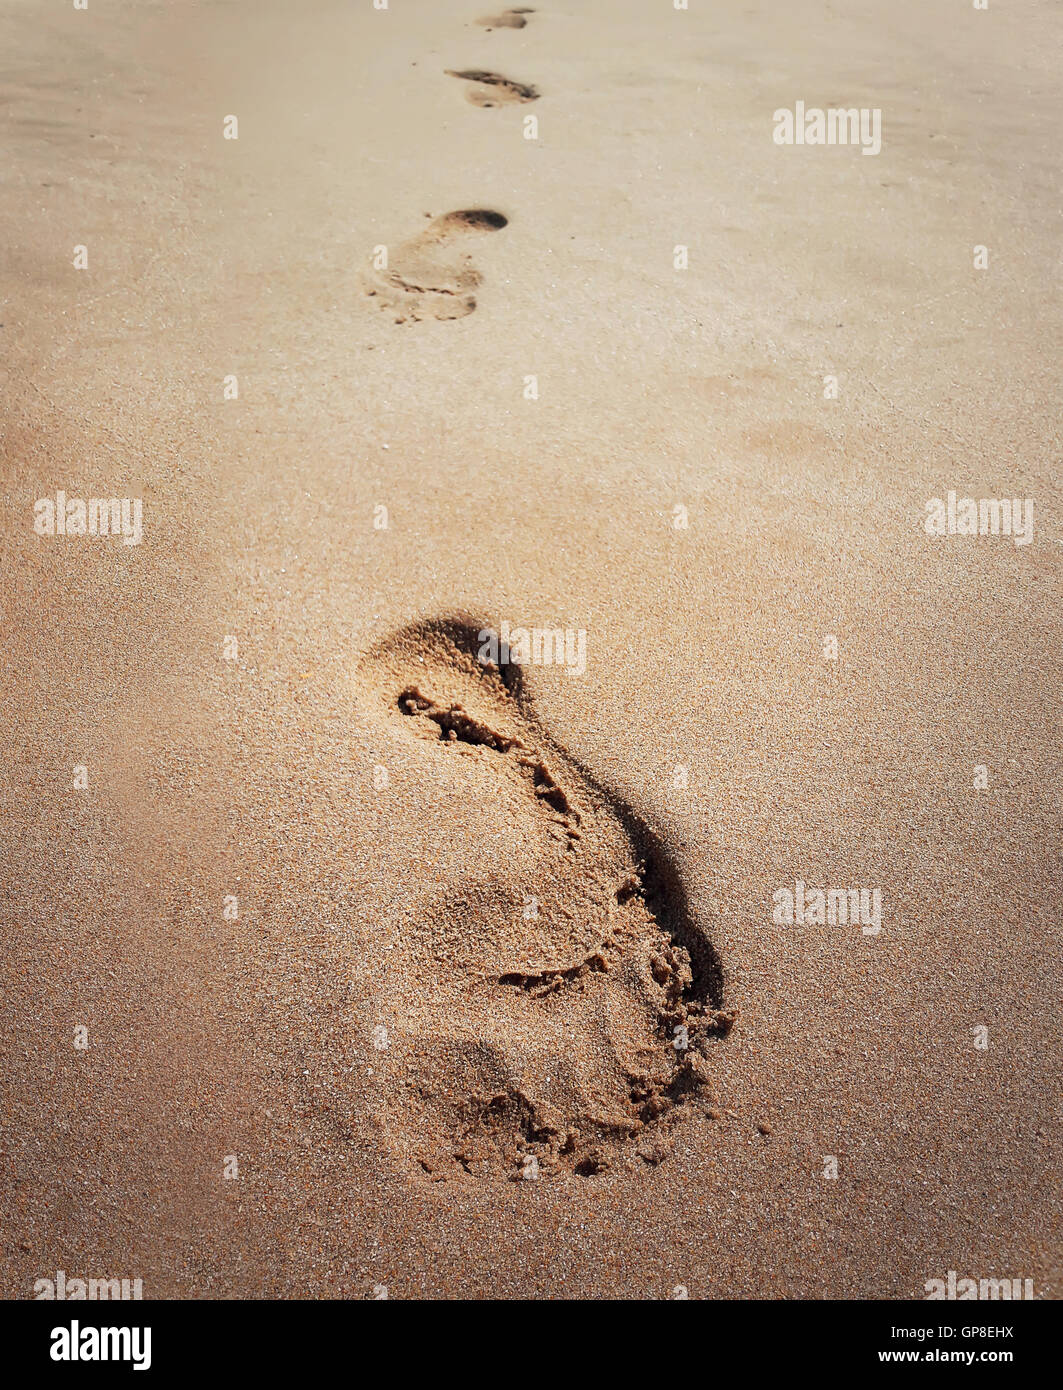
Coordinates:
<point>432,276</point>
<point>616,981</point>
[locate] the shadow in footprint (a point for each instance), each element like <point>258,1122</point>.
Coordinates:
<point>557,1001</point>
<point>492,89</point>
<point>507,19</point>
<point>432,276</point>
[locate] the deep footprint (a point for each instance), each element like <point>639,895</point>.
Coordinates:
<point>508,19</point>
<point>573,1038</point>
<point>492,89</point>
<point>431,276</point>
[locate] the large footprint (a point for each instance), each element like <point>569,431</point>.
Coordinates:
<point>508,19</point>
<point>432,276</point>
<point>492,89</point>
<point>550,1002</point>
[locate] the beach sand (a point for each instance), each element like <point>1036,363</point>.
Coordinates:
<point>467,975</point>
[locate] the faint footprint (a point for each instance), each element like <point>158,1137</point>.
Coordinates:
<point>430,276</point>
<point>508,19</point>
<point>492,89</point>
<point>551,1000</point>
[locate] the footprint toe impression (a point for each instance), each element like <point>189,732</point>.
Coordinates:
<point>552,1004</point>
<point>492,89</point>
<point>432,275</point>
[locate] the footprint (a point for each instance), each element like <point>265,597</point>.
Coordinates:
<point>492,89</point>
<point>551,1001</point>
<point>431,276</point>
<point>508,19</point>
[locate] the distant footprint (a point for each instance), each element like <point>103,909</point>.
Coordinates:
<point>551,1001</point>
<point>431,276</point>
<point>508,19</point>
<point>492,89</point>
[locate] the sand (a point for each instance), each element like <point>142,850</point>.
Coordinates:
<point>373,1008</point>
